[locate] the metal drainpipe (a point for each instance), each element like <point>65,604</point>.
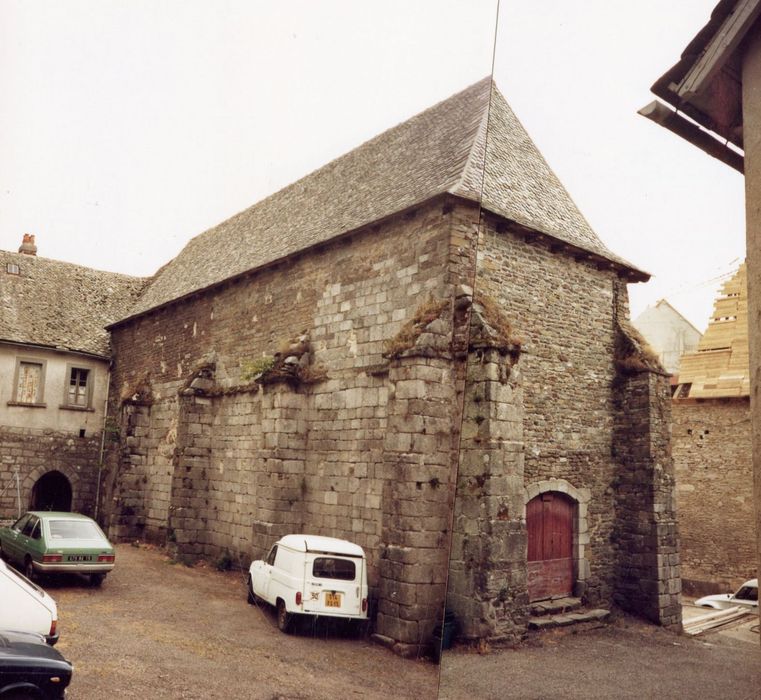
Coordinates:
<point>102,442</point>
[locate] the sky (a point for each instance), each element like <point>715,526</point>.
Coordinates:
<point>127,128</point>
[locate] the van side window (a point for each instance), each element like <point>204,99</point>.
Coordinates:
<point>330,567</point>
<point>271,555</point>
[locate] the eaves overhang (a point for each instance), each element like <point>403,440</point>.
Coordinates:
<point>704,89</point>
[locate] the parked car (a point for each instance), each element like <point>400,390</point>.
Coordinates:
<point>25,607</point>
<point>47,542</point>
<point>745,596</point>
<point>311,575</point>
<point>30,669</point>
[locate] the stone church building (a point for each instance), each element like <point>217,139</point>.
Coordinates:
<point>421,345</point>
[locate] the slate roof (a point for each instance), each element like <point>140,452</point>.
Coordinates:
<point>57,304</point>
<point>441,150</point>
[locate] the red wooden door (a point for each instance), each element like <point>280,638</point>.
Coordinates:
<point>549,523</point>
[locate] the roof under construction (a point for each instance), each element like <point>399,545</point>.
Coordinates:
<point>720,367</point>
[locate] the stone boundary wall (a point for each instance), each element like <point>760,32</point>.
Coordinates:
<point>32,453</point>
<point>714,485</point>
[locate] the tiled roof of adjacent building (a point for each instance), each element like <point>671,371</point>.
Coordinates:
<point>441,150</point>
<point>57,304</point>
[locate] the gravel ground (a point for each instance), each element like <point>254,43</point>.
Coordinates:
<point>626,659</point>
<point>161,630</point>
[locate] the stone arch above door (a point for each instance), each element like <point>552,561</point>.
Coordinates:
<point>39,475</point>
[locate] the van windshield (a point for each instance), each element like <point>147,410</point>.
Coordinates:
<point>332,567</point>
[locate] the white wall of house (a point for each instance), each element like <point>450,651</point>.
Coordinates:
<point>56,405</point>
<point>668,333</point>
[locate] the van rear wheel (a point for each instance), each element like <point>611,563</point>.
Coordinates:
<point>284,618</point>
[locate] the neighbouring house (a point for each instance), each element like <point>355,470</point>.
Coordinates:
<point>712,450</point>
<point>54,368</point>
<point>716,85</point>
<point>668,333</point>
<point>414,347</point>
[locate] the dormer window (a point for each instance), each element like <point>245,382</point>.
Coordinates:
<point>12,269</point>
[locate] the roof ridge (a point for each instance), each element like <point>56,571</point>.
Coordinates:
<point>55,261</point>
<point>479,138</point>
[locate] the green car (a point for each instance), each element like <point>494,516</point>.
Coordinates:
<point>45,542</point>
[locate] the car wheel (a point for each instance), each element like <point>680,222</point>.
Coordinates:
<point>21,695</point>
<point>251,597</point>
<point>97,579</point>
<point>28,567</point>
<point>284,618</point>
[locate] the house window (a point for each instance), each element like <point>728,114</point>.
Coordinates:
<point>29,382</point>
<point>12,269</point>
<point>78,390</point>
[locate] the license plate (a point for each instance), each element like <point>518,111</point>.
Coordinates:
<point>332,600</point>
<point>80,557</point>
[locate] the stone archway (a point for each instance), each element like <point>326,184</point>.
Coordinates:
<point>571,503</point>
<point>52,491</point>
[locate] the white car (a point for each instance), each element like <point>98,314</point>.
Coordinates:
<point>25,607</point>
<point>745,596</point>
<point>311,575</point>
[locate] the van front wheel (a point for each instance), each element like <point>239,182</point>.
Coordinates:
<point>284,618</point>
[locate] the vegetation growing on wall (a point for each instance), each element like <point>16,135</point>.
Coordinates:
<point>426,313</point>
<point>494,329</point>
<point>633,353</point>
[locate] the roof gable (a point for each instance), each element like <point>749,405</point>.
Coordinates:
<point>441,150</point>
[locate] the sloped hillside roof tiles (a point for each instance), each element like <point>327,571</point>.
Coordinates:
<point>57,304</point>
<point>441,150</point>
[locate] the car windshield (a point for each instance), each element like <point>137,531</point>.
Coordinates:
<point>747,593</point>
<point>74,530</point>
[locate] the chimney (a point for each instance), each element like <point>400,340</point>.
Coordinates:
<point>27,246</point>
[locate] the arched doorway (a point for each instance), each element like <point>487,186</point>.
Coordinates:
<point>550,520</point>
<point>52,491</point>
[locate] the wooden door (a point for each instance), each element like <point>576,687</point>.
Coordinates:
<point>549,524</point>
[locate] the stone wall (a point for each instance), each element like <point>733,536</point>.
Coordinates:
<point>218,457</point>
<point>714,480</point>
<point>487,576</point>
<point>648,579</point>
<point>31,453</point>
<point>562,309</point>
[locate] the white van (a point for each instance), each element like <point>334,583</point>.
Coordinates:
<point>25,607</point>
<point>311,575</point>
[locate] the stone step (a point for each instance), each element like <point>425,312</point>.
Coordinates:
<point>543,622</point>
<point>553,606</point>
